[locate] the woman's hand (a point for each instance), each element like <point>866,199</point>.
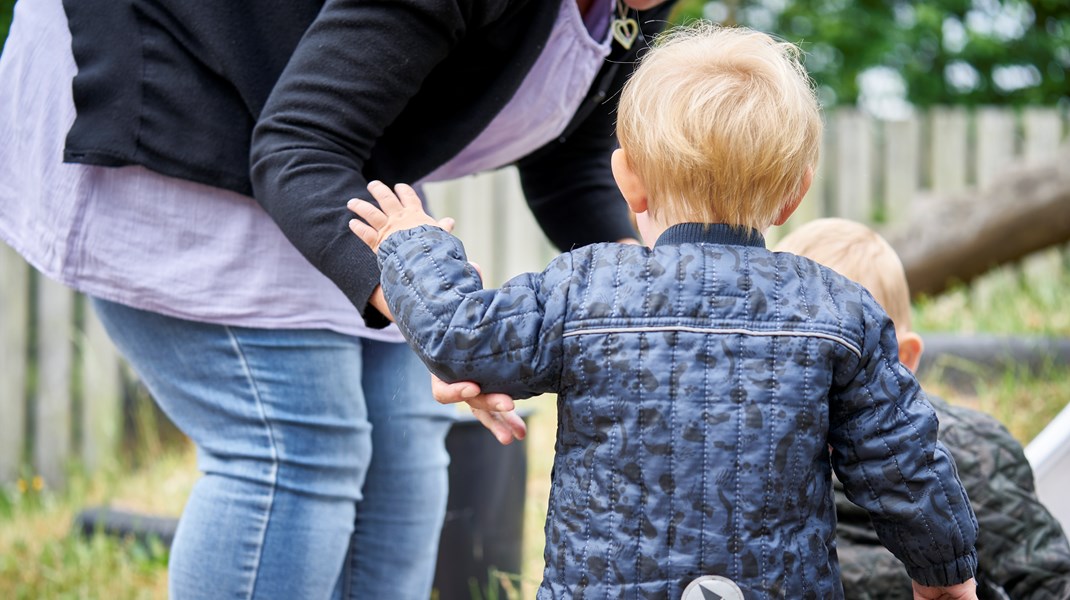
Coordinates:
<point>494,411</point>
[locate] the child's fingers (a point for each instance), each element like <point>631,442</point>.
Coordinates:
<point>367,211</point>
<point>447,223</point>
<point>385,196</point>
<point>479,269</point>
<point>366,233</point>
<point>408,196</point>
<point>505,426</point>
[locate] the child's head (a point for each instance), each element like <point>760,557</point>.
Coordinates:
<point>717,125</point>
<point>863,256</point>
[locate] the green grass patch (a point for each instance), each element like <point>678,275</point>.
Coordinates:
<point>42,555</point>
<point>1026,299</point>
<point>1021,300</point>
<point>1023,400</point>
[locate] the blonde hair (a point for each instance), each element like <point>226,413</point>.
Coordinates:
<point>859,254</point>
<point>720,125</point>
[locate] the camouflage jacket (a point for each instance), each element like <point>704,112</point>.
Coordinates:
<point>700,385</point>
<point>1022,552</point>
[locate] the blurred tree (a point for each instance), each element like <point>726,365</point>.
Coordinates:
<point>937,52</point>
<point>6,8</point>
<point>1010,52</point>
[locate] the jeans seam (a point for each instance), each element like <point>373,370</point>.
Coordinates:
<point>271,443</point>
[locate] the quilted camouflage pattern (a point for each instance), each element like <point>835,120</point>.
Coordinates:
<point>1022,551</point>
<point>700,386</point>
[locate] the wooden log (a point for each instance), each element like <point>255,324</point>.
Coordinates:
<point>957,237</point>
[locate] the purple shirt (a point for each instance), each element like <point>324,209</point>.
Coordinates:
<point>191,251</point>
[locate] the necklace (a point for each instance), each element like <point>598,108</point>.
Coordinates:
<point>625,29</point>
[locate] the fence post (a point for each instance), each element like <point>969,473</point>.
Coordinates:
<point>853,191</point>
<point>476,221</point>
<point>52,402</point>
<point>995,143</point>
<point>101,394</point>
<point>814,203</point>
<point>1043,133</point>
<point>947,139</point>
<point>14,296</point>
<point>901,168</point>
<point>524,247</point>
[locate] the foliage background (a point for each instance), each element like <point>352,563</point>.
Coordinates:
<point>963,52</point>
<point>6,7</point>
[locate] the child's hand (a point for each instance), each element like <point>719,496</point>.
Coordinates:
<point>394,213</point>
<point>963,591</point>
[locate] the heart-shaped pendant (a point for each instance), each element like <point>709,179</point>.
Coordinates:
<point>625,31</point>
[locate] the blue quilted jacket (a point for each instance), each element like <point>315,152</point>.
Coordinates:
<point>701,385</point>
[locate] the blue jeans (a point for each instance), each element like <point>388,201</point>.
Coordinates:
<point>323,456</point>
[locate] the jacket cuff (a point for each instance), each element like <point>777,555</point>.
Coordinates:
<point>949,573</point>
<point>391,243</point>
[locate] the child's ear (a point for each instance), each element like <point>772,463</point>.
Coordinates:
<point>631,187</point>
<point>910,349</point>
<point>789,208</point>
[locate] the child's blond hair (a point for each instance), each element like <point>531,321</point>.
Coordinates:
<point>859,254</point>
<point>720,124</point>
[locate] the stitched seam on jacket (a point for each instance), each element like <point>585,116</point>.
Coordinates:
<point>714,330</point>
<point>589,410</point>
<point>737,538</point>
<point>673,387</point>
<point>770,457</point>
<point>705,425</point>
<point>639,447</point>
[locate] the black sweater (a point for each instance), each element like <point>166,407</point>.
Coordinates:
<point>177,86</point>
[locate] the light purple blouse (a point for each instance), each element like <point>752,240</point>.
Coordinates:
<point>191,251</point>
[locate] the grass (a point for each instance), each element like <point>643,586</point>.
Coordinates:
<point>1027,299</point>
<point>1030,299</point>
<point>40,556</point>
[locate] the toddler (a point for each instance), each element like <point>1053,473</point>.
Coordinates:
<point>700,382</point>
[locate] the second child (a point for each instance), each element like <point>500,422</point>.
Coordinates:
<point>1022,551</point>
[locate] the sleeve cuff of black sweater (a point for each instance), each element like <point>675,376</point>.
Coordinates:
<point>353,267</point>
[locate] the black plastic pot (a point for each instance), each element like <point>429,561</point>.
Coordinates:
<point>483,531</point>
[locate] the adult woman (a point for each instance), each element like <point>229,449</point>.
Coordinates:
<point>322,451</point>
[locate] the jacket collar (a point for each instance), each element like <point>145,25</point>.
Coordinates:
<point>710,233</point>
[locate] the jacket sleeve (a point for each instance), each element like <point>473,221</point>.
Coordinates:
<point>508,340</point>
<point>321,122</point>
<point>883,434</point>
<point>568,183</point>
<point>1020,545</point>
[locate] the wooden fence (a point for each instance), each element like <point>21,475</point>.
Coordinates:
<point>61,382</point>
